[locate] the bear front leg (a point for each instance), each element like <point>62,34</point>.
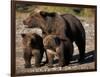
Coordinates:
<point>27,57</point>
<point>60,55</point>
<point>50,54</point>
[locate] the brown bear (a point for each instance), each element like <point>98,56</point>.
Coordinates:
<point>64,25</point>
<point>32,46</point>
<point>63,49</point>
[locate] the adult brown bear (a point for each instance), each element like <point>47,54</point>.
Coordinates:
<point>65,25</point>
<point>55,46</point>
<point>32,46</point>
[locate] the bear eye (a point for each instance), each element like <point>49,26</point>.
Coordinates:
<point>31,16</point>
<point>57,40</point>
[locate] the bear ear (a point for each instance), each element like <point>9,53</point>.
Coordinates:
<point>53,14</point>
<point>23,35</point>
<point>43,13</point>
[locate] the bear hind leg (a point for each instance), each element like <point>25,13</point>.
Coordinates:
<point>81,48</point>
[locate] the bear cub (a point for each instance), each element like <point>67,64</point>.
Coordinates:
<point>32,46</point>
<point>61,48</point>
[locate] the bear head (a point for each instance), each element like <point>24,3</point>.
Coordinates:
<point>31,40</point>
<point>51,42</point>
<point>38,20</point>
